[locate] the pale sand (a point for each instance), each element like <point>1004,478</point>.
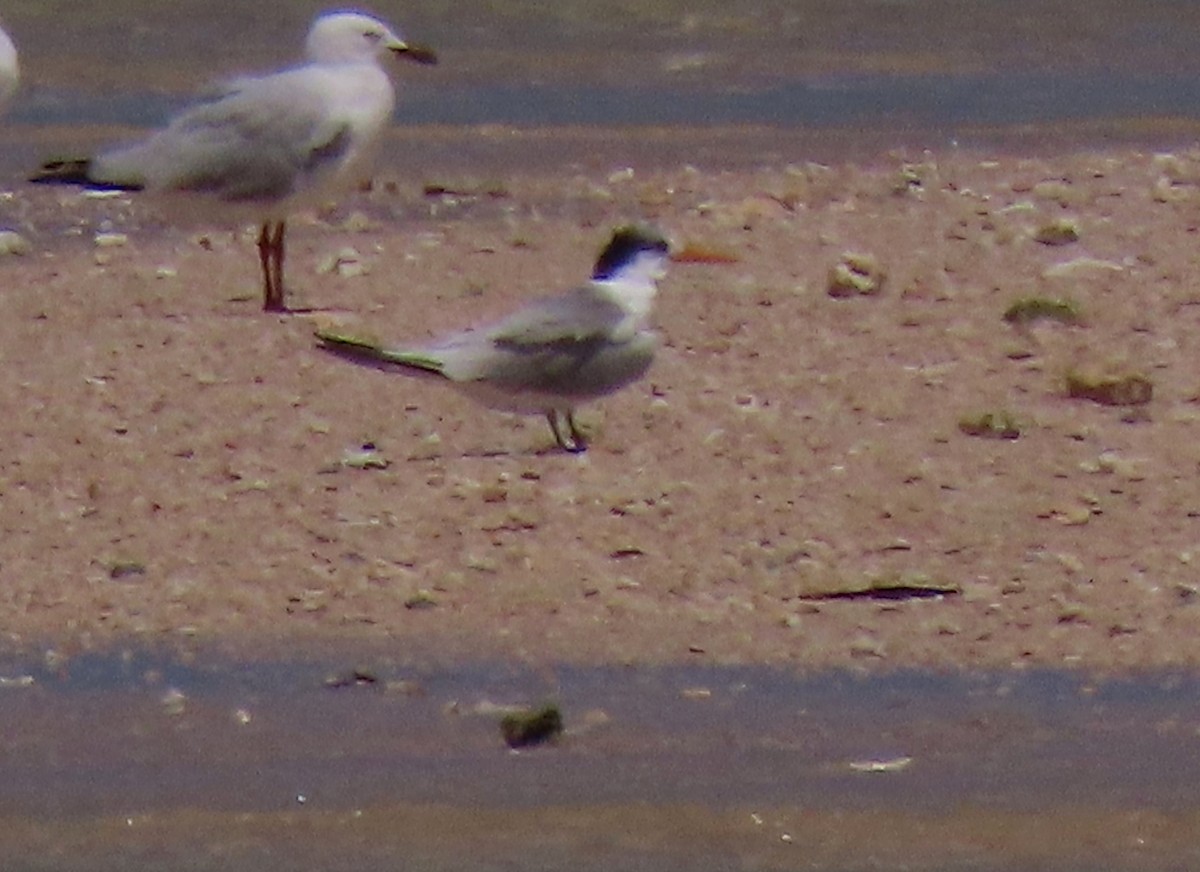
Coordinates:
<point>169,455</point>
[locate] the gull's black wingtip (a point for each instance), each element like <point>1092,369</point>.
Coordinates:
<point>628,242</point>
<point>63,172</point>
<point>75,171</point>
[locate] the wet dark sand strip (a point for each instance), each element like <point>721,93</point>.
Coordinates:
<point>631,838</point>
<point>414,152</point>
<point>148,764</point>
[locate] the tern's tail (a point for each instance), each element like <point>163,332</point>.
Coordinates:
<point>76,171</point>
<point>368,353</point>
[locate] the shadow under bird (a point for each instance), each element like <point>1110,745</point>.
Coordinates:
<point>264,146</point>
<point>552,353</point>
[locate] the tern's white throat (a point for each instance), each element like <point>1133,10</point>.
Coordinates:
<point>632,287</point>
<point>628,268</point>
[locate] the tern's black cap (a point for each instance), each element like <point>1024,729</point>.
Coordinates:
<point>626,244</point>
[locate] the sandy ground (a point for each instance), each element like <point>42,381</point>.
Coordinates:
<point>173,461</point>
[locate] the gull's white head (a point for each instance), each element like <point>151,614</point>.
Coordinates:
<point>351,37</point>
<point>9,72</point>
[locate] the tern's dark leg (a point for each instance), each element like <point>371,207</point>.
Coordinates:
<point>277,251</point>
<point>576,436</point>
<point>270,256</point>
<point>264,260</point>
<point>575,444</point>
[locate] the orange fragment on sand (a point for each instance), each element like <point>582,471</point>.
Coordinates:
<point>703,254</point>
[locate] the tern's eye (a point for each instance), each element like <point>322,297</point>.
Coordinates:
<point>373,36</point>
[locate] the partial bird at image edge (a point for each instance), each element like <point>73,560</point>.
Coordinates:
<point>10,72</point>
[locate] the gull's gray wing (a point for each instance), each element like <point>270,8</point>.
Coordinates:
<point>258,141</point>
<point>577,344</point>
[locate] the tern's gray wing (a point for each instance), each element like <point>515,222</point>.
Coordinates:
<point>577,344</point>
<point>258,141</point>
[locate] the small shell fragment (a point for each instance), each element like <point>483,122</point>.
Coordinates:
<point>893,764</point>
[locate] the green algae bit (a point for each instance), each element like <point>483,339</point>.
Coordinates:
<point>532,726</point>
<point>1030,309</point>
<point>1132,389</point>
<point>991,425</point>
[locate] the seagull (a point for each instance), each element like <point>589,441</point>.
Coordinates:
<point>264,146</point>
<point>553,353</point>
<point>9,71</point>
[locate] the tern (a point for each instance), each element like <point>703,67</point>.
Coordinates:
<point>552,353</point>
